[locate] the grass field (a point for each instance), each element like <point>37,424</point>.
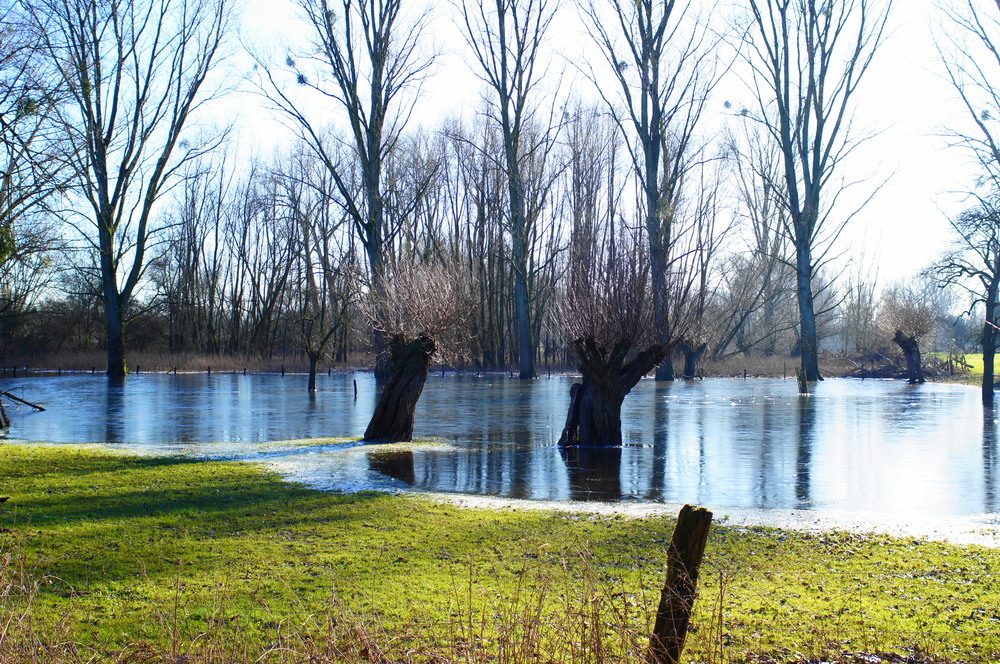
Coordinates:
<point>115,558</point>
<point>975,363</point>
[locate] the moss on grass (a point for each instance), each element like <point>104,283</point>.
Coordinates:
<point>179,556</point>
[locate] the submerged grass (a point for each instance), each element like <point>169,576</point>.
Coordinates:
<point>115,558</point>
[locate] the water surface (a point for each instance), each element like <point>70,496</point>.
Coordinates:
<point>878,446</point>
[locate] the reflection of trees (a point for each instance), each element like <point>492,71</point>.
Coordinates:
<point>661,440</point>
<point>397,464</point>
<point>803,462</point>
<point>766,479</point>
<point>504,451</point>
<point>909,408</point>
<point>594,472</point>
<point>990,461</point>
<point>114,421</point>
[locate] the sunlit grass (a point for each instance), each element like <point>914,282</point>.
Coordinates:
<point>975,363</point>
<point>117,558</point>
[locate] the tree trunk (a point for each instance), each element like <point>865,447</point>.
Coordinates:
<point>661,306</point>
<point>808,338</point>
<point>665,371</point>
<point>392,421</point>
<point>594,416</point>
<point>989,350</point>
<point>113,325</point>
<point>911,351</point>
<point>692,355</point>
<point>989,338</point>
<point>525,343</point>
<point>113,314</point>
<point>313,361</point>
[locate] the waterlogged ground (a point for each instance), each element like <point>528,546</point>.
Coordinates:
<point>874,451</point>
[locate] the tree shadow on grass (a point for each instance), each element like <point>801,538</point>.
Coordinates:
<point>142,515</point>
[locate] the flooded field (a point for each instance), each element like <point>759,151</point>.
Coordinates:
<point>875,446</point>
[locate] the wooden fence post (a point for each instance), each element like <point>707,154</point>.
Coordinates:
<point>673,615</point>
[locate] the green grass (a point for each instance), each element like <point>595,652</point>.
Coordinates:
<point>107,557</point>
<point>975,363</point>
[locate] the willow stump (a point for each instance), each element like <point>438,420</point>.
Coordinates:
<point>911,351</point>
<point>692,356</point>
<point>409,361</point>
<point>594,416</point>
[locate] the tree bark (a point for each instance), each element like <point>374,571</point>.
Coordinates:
<point>313,361</point>
<point>989,344</point>
<point>687,547</point>
<point>911,351</point>
<point>392,421</point>
<point>665,371</point>
<point>594,416</point>
<point>112,300</point>
<point>692,355</point>
<point>808,338</point>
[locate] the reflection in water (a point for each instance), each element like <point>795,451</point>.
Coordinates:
<point>114,411</point>
<point>660,438</point>
<point>803,463</point>
<point>594,472</point>
<point>873,445</point>
<point>989,460</point>
<point>397,464</point>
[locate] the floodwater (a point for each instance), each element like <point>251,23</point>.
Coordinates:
<point>874,446</point>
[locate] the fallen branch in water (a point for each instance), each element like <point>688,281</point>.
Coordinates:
<point>20,400</point>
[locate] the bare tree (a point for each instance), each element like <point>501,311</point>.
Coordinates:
<point>323,286</point>
<point>971,55</point>
<point>663,64</point>
<point>423,310</point>
<point>32,156</point>
<point>134,72</point>
<point>506,38</point>
<point>858,320</point>
<point>752,305</point>
<point>969,47</point>
<point>807,59</point>
<point>366,60</point>
<point>974,266</point>
<point>190,275</point>
<point>703,244</point>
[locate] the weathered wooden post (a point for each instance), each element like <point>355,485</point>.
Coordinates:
<point>673,615</point>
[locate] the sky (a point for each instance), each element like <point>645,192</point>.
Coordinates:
<point>904,102</point>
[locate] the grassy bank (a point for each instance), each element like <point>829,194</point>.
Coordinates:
<point>124,559</point>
